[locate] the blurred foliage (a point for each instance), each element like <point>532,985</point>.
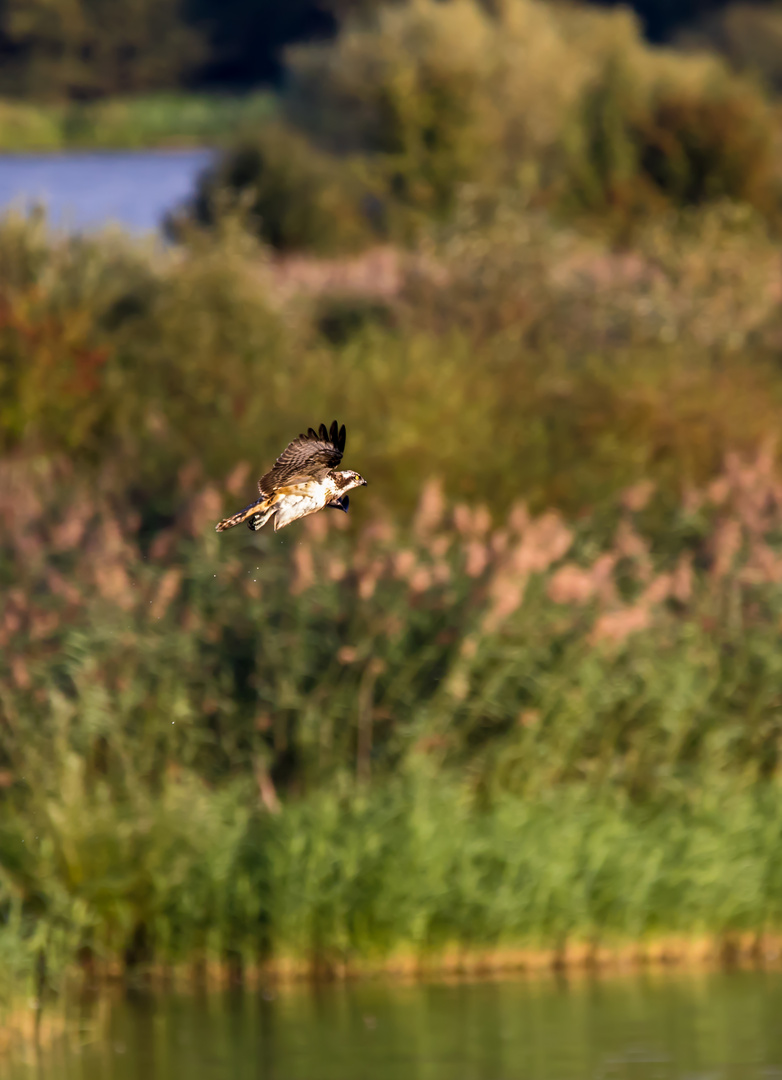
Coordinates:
<point>563,103</point>
<point>748,35</point>
<point>163,119</point>
<point>87,48</point>
<point>246,747</point>
<point>76,48</point>
<point>683,146</point>
<point>579,369</point>
<point>228,748</point>
<point>568,107</point>
<point>411,89</point>
<point>291,195</point>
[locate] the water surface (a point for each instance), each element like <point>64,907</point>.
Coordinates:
<point>87,190</point>
<point>652,1028</point>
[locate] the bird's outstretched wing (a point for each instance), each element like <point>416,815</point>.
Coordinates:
<point>308,457</point>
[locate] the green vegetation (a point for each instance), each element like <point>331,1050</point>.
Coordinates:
<point>164,120</point>
<point>596,721</point>
<point>226,747</point>
<point>577,370</point>
<point>433,93</point>
<point>93,47</point>
<point>748,35</point>
<point>565,107</point>
<point>291,194</point>
<point>527,692</point>
<point>83,49</point>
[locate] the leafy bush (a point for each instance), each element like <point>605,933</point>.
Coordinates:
<point>292,195</point>
<point>576,368</point>
<point>677,145</point>
<point>86,49</point>
<point>709,147</point>
<point>424,98</point>
<point>748,35</point>
<point>407,91</point>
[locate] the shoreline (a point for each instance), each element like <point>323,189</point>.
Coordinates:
<point>745,951</point>
<point>666,953</point>
<point>83,1003</point>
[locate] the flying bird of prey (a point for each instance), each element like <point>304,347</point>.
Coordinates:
<point>303,480</point>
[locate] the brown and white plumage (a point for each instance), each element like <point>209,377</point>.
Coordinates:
<point>302,481</point>
<point>308,457</point>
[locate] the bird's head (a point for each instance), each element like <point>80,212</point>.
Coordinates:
<point>349,479</point>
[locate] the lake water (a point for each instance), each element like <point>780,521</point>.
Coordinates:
<point>693,1027</point>
<point>87,190</point>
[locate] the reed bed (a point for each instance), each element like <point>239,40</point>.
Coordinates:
<point>458,734</point>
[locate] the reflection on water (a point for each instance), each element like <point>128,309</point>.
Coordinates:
<point>87,190</point>
<point>696,1027</point>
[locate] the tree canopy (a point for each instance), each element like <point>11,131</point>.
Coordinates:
<point>81,49</point>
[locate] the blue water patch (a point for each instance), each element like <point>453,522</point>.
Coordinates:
<point>83,191</point>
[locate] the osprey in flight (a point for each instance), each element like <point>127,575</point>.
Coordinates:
<point>302,480</point>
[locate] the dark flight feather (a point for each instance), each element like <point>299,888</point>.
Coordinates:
<point>308,457</point>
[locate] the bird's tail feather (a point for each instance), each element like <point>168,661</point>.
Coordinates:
<point>256,508</point>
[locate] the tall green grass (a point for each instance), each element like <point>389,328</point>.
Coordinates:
<point>409,870</point>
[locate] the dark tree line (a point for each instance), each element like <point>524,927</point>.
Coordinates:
<point>87,48</point>
<point>82,49</point>
<point>662,18</point>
